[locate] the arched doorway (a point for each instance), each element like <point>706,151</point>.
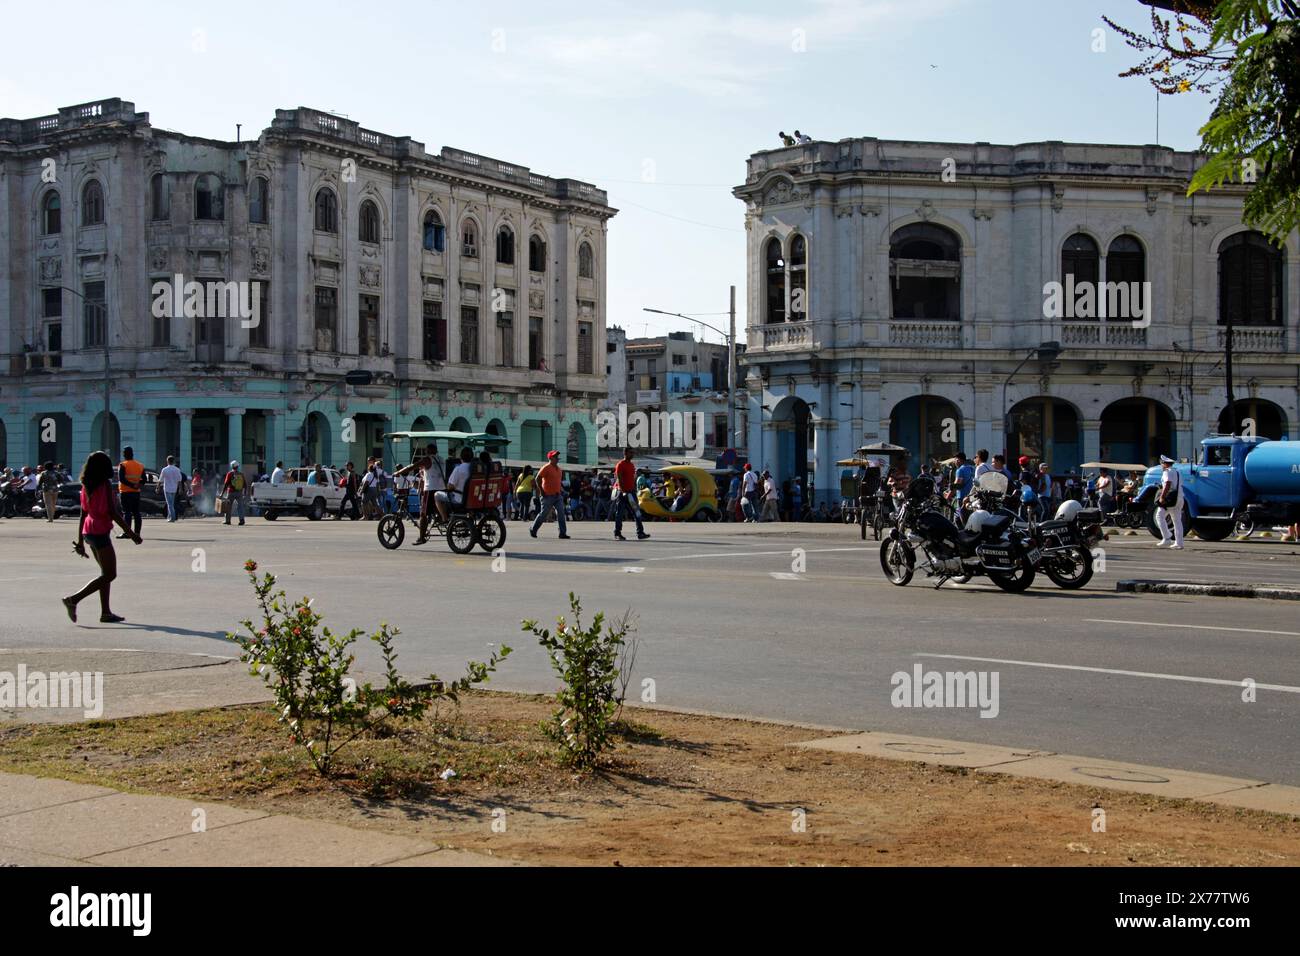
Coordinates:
<point>1137,430</point>
<point>575,445</point>
<point>1045,429</point>
<point>496,427</point>
<point>367,439</point>
<point>460,424</point>
<point>1265,419</point>
<point>927,426</point>
<point>534,440</point>
<point>167,438</point>
<point>422,423</point>
<point>53,431</point>
<point>106,435</point>
<point>792,419</point>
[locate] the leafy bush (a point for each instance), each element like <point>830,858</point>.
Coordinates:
<point>587,661</point>
<point>306,665</point>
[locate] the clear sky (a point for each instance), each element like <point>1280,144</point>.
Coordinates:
<point>658,102</point>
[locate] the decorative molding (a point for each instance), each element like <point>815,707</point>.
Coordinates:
<point>261,260</point>
<point>926,210</point>
<point>369,276</point>
<point>1058,198</point>
<point>1199,220</point>
<point>866,210</point>
<point>51,268</point>
<point>982,212</point>
<point>1153,197</point>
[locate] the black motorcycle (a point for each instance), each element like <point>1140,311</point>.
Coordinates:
<point>991,545</point>
<point>1067,546</point>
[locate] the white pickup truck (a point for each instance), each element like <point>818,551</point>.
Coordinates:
<point>295,496</point>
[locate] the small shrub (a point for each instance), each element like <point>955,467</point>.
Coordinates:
<point>587,661</point>
<point>306,665</point>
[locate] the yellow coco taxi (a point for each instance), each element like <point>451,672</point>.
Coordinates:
<point>696,499</point>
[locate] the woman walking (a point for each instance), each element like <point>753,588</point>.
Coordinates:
<point>99,512</point>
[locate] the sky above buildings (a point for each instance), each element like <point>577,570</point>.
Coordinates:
<point>658,102</point>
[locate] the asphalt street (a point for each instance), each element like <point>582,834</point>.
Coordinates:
<point>772,621</point>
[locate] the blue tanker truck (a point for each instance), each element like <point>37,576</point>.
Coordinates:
<point>1238,483</point>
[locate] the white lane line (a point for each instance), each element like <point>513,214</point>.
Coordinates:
<point>746,554</point>
<point>1197,627</point>
<point>1106,670</point>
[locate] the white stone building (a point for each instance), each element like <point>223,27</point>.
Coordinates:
<point>472,290</point>
<point>898,291</point>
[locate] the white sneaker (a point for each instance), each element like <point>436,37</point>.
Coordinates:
<point>1176,547</point>
<point>1162,544</point>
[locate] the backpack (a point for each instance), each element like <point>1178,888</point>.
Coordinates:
<point>237,481</point>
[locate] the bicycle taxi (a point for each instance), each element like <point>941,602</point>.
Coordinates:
<point>875,507</point>
<point>477,520</point>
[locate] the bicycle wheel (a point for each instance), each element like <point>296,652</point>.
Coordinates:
<point>391,531</point>
<point>461,534</point>
<point>491,533</point>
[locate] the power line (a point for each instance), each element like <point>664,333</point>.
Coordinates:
<point>668,215</point>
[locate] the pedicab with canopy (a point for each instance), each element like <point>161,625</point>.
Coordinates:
<point>477,520</point>
<point>874,507</point>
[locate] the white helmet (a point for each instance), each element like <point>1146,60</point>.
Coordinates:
<point>1069,510</point>
<point>975,522</point>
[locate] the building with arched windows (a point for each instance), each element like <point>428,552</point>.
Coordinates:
<point>903,291</point>
<point>340,235</point>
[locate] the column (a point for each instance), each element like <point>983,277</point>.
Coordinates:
<point>186,463</point>
<point>235,435</point>
<point>145,436</point>
<point>274,428</point>
<point>1091,439</point>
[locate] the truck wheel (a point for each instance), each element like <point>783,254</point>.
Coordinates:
<point>317,510</point>
<point>1151,522</point>
<point>1213,529</point>
<point>269,515</point>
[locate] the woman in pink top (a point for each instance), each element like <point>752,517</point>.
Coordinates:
<point>99,512</point>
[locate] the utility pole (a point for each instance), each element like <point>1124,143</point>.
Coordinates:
<point>731,375</point>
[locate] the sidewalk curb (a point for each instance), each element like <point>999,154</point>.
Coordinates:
<point>1144,586</point>
<point>1164,782</point>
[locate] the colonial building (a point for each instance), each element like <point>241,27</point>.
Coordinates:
<point>908,291</point>
<point>615,367</point>
<point>471,289</point>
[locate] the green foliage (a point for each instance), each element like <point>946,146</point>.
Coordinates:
<point>587,661</point>
<point>1248,50</point>
<point>306,665</point>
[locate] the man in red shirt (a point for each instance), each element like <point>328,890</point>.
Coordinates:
<point>625,481</point>
<point>550,482</point>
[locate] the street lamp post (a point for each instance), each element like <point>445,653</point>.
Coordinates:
<point>731,359</point>
<point>1045,352</point>
<point>101,312</point>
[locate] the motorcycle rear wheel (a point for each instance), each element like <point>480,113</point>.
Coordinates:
<point>898,561</point>
<point>1017,581</point>
<point>1076,575</point>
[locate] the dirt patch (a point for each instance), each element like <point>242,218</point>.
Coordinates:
<point>681,789</point>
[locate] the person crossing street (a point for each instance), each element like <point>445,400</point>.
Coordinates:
<point>551,482</point>
<point>1170,500</point>
<point>625,481</point>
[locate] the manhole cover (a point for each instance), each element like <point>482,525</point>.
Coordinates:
<point>1115,773</point>
<point>935,749</point>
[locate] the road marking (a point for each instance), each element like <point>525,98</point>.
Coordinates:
<point>1122,673</point>
<point>746,554</point>
<point>787,576</point>
<point>1198,627</point>
<point>634,570</point>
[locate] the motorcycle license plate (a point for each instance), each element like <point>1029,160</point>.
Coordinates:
<point>1034,556</point>
<point>997,557</point>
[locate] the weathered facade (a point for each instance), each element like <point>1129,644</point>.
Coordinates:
<point>471,289</point>
<point>904,291</point>
<point>678,375</point>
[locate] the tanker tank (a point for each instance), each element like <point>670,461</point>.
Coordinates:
<point>1273,471</point>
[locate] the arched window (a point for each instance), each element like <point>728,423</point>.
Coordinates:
<point>368,228</point>
<point>925,272</point>
<point>1126,261</point>
<point>798,278</point>
<point>505,246</point>
<point>92,204</point>
<point>469,239</point>
<point>51,214</point>
<point>258,199</point>
<point>536,254</point>
<point>586,262</point>
<point>326,211</point>
<point>435,235</point>
<point>209,198</point>
<point>774,263</point>
<point>160,206</point>
<point>1080,258</point>
<point>1250,281</point>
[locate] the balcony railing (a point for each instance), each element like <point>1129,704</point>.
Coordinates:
<point>926,335</point>
<point>786,335</point>
<point>1117,335</point>
<point>1254,339</point>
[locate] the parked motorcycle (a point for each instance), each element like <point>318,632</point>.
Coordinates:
<point>990,544</point>
<point>1066,542</point>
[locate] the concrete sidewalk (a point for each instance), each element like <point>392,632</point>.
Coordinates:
<point>50,822</point>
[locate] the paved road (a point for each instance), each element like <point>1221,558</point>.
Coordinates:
<point>728,623</point>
